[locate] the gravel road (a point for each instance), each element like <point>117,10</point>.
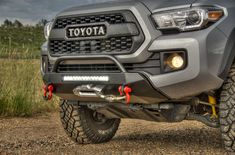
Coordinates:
<point>44,135</point>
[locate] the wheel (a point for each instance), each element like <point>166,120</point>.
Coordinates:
<point>227,111</point>
<point>86,126</point>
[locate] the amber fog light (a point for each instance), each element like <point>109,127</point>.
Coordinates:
<point>173,61</point>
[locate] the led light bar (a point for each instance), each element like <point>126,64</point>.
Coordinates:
<point>86,78</point>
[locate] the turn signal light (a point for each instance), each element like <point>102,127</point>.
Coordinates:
<point>215,15</point>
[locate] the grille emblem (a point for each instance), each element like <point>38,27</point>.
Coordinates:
<point>86,31</point>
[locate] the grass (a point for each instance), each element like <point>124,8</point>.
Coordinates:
<point>22,42</point>
<point>21,88</point>
<point>20,77</point>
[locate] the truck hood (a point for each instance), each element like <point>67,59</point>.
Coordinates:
<point>158,4</point>
<point>152,5</point>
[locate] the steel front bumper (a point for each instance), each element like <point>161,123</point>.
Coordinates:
<point>142,92</point>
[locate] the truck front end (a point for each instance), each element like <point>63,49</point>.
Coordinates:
<point>152,60</point>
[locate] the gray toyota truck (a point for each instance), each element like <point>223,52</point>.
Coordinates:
<point>156,60</point>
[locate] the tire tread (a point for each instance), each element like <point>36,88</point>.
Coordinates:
<point>77,128</point>
<point>227,111</point>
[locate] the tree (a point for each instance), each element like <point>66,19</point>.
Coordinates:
<point>42,23</point>
<point>17,24</point>
<point>7,23</point>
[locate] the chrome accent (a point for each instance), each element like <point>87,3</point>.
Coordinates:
<point>96,91</point>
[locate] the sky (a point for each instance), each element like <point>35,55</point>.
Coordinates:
<point>31,11</point>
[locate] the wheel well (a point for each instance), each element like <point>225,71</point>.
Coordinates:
<point>229,56</point>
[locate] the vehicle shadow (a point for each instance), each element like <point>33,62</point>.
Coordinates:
<point>201,139</point>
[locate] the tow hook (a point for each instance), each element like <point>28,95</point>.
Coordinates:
<point>47,92</point>
<point>125,91</point>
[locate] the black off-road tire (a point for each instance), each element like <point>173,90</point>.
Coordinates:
<point>227,111</point>
<point>79,123</point>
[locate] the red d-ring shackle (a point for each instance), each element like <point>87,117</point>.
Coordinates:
<point>125,90</point>
<point>48,90</point>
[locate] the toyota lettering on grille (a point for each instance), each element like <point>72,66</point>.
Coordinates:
<point>86,31</point>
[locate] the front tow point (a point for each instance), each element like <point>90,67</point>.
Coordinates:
<point>125,90</point>
<point>48,90</point>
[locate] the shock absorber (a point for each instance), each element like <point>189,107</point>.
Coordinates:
<point>213,103</point>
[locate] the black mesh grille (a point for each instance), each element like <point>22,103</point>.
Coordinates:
<point>110,18</point>
<point>113,43</point>
<point>152,66</point>
<point>103,46</point>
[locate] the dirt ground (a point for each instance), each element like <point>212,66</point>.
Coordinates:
<point>45,135</point>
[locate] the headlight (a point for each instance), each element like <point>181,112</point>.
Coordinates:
<point>187,19</point>
<point>47,29</point>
